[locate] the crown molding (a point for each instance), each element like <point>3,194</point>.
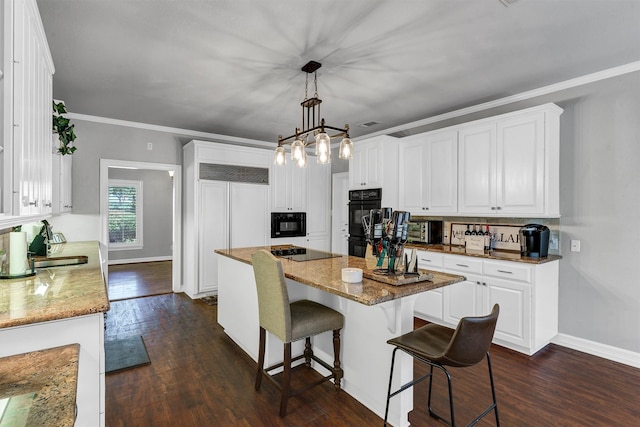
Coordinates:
<point>545,90</point>
<point>177,131</point>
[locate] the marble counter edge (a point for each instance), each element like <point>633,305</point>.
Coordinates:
<point>389,292</point>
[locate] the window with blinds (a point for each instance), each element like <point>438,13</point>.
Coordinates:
<point>125,214</point>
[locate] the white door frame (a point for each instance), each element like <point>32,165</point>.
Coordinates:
<point>105,164</point>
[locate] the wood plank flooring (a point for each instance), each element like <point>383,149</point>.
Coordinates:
<point>199,377</point>
<point>139,279</point>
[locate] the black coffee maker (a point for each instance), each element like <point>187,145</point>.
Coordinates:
<point>534,241</point>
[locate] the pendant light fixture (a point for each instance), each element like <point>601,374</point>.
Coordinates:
<point>314,130</point>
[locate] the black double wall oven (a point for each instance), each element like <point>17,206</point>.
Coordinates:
<point>360,203</point>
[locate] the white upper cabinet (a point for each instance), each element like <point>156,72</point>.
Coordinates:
<point>27,91</point>
<point>428,173</point>
<point>508,165</point>
<point>375,165</point>
<point>364,171</point>
<point>289,187</point>
<point>477,169</point>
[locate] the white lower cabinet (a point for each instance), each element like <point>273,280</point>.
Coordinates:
<point>514,321</point>
<point>527,295</point>
<point>428,305</point>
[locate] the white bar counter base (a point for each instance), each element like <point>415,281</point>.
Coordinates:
<point>365,355</point>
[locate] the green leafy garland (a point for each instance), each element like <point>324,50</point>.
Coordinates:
<point>65,132</point>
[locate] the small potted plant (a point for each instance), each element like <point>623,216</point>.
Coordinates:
<point>65,132</point>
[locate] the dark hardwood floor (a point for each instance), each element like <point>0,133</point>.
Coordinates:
<point>199,377</point>
<point>139,280</point>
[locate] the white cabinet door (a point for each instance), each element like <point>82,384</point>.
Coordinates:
<point>502,166</point>
<point>520,164</point>
<point>289,188</point>
<point>213,222</point>
<point>428,305</point>
<point>476,169</point>
<point>358,168</point>
<point>463,299</point>
<point>248,214</point>
<point>514,321</point>
<point>364,167</point>
<point>374,164</point>
<point>231,215</point>
<point>429,173</point>
<point>411,181</point>
<point>318,200</point>
<point>374,159</point>
<point>32,78</point>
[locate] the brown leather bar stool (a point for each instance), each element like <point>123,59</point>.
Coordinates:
<point>439,346</point>
<point>291,322</point>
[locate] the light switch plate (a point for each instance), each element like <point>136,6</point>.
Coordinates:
<point>575,246</point>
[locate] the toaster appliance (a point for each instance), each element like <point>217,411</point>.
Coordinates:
<point>427,232</point>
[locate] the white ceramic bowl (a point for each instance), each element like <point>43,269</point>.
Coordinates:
<point>352,275</point>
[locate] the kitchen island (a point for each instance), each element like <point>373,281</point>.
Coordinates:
<point>374,312</point>
<point>60,306</point>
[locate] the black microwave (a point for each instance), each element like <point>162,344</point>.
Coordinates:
<point>288,224</point>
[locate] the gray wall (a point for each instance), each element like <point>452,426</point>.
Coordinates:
<point>600,205</point>
<point>157,211</point>
<point>103,141</point>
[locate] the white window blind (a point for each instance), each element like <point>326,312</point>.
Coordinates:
<point>125,214</point>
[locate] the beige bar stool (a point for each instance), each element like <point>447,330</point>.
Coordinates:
<point>439,346</point>
<point>291,322</point>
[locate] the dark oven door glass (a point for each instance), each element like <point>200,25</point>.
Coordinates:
<point>357,247</point>
<point>356,211</point>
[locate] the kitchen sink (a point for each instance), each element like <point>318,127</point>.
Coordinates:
<point>60,261</point>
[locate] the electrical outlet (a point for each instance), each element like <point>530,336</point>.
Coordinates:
<point>554,241</point>
<point>575,246</point>
<point>149,146</point>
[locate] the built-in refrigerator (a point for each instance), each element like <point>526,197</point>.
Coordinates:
<point>231,215</point>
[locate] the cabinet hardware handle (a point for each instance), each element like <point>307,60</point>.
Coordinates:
<point>478,283</point>
<point>505,271</point>
<point>498,208</point>
<point>462,265</point>
<point>493,208</point>
<point>34,203</point>
<point>484,284</point>
<point>424,259</point>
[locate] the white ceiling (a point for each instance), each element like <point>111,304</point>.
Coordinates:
<point>232,67</point>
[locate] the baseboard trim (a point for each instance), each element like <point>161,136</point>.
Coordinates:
<point>605,351</point>
<point>139,260</point>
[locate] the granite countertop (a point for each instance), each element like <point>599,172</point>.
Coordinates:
<point>326,274</point>
<point>56,292</point>
<point>40,387</point>
<point>492,254</point>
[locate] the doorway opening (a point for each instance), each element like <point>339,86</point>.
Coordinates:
<point>131,277</point>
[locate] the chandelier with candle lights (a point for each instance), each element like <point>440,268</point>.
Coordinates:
<point>313,130</point>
